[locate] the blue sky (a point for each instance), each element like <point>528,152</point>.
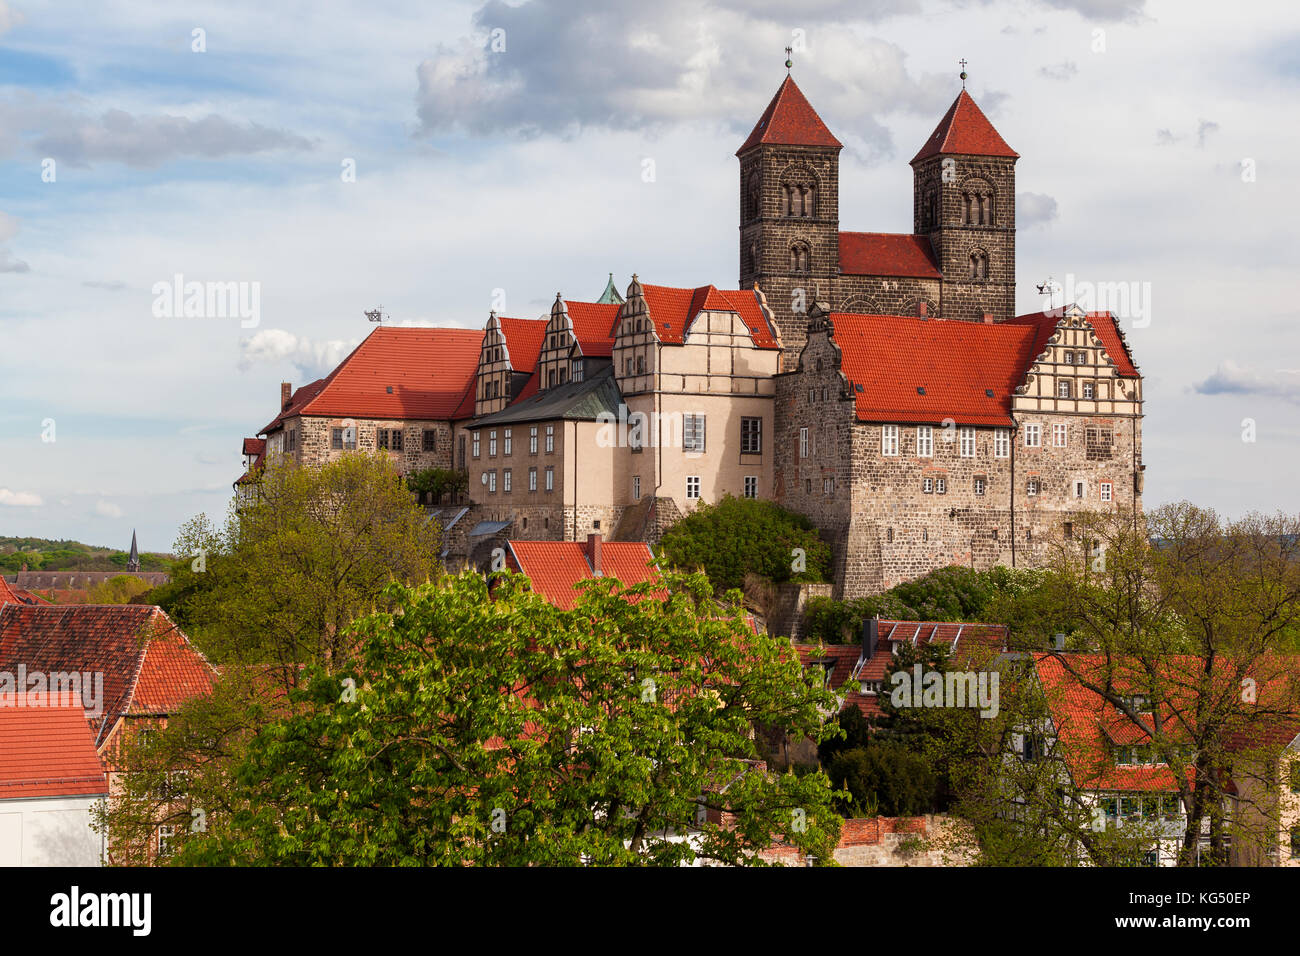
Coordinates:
<point>516,163</point>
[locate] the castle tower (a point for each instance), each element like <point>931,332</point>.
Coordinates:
<point>789,211</point>
<point>964,181</point>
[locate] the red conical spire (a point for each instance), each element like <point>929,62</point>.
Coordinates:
<point>790,120</point>
<point>965,130</point>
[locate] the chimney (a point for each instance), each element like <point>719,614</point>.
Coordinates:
<point>923,309</point>
<point>870,637</point>
<point>593,553</point>
<point>286,390</point>
<point>988,318</point>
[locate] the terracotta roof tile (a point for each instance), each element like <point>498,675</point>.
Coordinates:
<point>887,254</point>
<point>1103,324</point>
<point>593,326</point>
<point>555,567</point>
<point>965,131</point>
<point>673,311</point>
<point>48,752</point>
<point>524,339</point>
<point>790,120</point>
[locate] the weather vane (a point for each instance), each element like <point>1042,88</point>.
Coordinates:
<point>1048,289</point>
<point>962,61</point>
<point>788,62</point>
<point>376,315</point>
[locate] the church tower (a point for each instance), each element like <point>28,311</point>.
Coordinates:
<point>964,181</point>
<point>789,212</point>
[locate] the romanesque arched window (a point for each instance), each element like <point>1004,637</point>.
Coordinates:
<point>799,257</point>
<point>799,192</point>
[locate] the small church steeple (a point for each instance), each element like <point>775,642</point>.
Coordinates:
<point>133,560</point>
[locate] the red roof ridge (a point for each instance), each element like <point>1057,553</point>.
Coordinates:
<point>790,120</point>
<point>965,130</point>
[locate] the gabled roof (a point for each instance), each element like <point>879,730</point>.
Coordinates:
<point>524,338</point>
<point>673,311</point>
<point>887,254</point>
<point>577,401</point>
<point>593,326</point>
<point>924,371</point>
<point>555,567</point>
<point>1103,324</point>
<point>790,120</point>
<point>48,751</point>
<point>965,131</point>
<point>427,371</point>
<point>149,665</point>
<point>255,447</point>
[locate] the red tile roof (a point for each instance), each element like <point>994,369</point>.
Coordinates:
<point>887,254</point>
<point>593,326</point>
<point>965,131</point>
<point>790,120</point>
<point>956,363</point>
<point>674,310</point>
<point>1103,324</point>
<point>149,665</point>
<point>555,567</point>
<point>48,752</point>
<point>524,339</point>
<point>427,370</point>
<point>255,447</point>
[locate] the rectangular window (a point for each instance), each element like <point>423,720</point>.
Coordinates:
<point>532,440</point>
<point>429,440</point>
<point>381,438</point>
<point>492,480</point>
<point>505,480</point>
<point>692,487</point>
<point>979,486</point>
<point>1033,436</point>
<point>1063,388</point>
<point>550,478</point>
<point>165,834</point>
<point>1089,390</point>
<point>803,442</point>
<point>828,486</point>
<point>751,436</point>
<point>290,440</point>
<point>1069,358</point>
<point>506,441</point>
<point>1001,443</point>
<point>941,486</point>
<point>693,432</point>
<point>1105,491</point>
<point>967,438</point>
<point>924,441</point>
<point>751,486</point>
<point>395,439</point>
<point>636,487</point>
<point>1060,433</point>
<point>1098,443</point>
<point>492,444</point>
<point>550,439</point>
<point>640,364</point>
<point>532,479</point>
<point>475,445</point>
<point>927,485</point>
<point>1031,487</point>
<point>336,439</point>
<point>889,440</point>
<point>1080,488</point>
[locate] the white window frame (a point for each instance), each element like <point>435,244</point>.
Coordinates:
<point>532,478</point>
<point>981,485</point>
<point>1002,443</point>
<point>492,443</point>
<point>1089,391</point>
<point>1063,389</point>
<point>505,480</point>
<point>803,442</point>
<point>940,486</point>
<point>751,486</point>
<point>550,439</point>
<point>1032,487</point>
<point>1060,435</point>
<point>966,438</point>
<point>1033,435</point>
<point>1105,490</point>
<point>927,486</point>
<point>1080,488</point>
<point>924,441</point>
<point>636,487</point>
<point>889,441</point>
<point>532,440</point>
<point>693,433</point>
<point>492,481</point>
<point>550,478</point>
<point>475,446</point>
<point>507,443</point>
<point>692,485</point>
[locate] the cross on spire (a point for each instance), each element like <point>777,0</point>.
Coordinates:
<point>962,61</point>
<point>788,62</point>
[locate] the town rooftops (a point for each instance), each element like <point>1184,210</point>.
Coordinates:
<point>149,666</point>
<point>576,401</point>
<point>789,120</point>
<point>48,751</point>
<point>395,373</point>
<point>887,254</point>
<point>556,567</point>
<point>965,131</point>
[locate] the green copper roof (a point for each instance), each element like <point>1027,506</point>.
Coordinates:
<point>610,295</point>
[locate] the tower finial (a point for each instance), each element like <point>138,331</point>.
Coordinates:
<point>962,61</point>
<point>788,62</point>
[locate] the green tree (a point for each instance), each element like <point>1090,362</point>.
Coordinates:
<point>736,536</point>
<point>502,730</point>
<point>884,778</point>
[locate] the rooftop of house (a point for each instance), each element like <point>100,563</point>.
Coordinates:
<point>555,567</point>
<point>48,751</point>
<point>887,254</point>
<point>674,311</point>
<point>149,666</point>
<point>574,401</point>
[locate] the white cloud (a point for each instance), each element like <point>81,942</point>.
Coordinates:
<point>106,509</point>
<point>1232,379</point>
<point>312,358</point>
<point>19,499</point>
<point>9,17</point>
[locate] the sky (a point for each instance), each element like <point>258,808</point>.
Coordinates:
<point>442,159</point>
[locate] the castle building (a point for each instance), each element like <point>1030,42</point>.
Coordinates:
<point>879,383</point>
